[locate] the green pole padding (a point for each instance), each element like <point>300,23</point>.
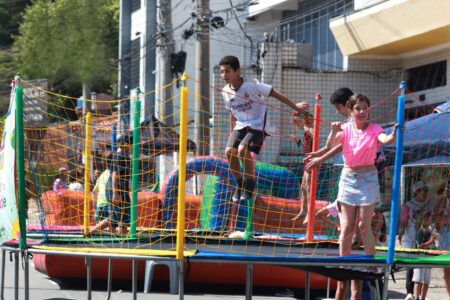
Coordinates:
<point>135,168</point>
<point>20,163</point>
<point>248,234</point>
<point>206,209</point>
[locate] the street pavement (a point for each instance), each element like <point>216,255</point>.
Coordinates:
<point>44,288</point>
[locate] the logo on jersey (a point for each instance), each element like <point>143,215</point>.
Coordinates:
<point>242,107</point>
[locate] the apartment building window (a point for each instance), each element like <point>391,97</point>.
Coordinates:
<point>428,76</point>
<point>310,24</point>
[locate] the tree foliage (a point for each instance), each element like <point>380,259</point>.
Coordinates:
<point>7,72</point>
<point>73,41</point>
<point>10,18</point>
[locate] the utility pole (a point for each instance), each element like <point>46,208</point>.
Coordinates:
<point>164,49</point>
<point>124,47</point>
<point>164,96</point>
<point>150,60</point>
<point>87,104</point>
<point>202,110</point>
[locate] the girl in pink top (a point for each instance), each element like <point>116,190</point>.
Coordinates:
<point>359,189</point>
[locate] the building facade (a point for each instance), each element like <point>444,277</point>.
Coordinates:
<point>304,47</point>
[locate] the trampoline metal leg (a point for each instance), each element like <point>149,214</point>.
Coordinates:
<point>109,286</point>
<point>249,282</point>
<point>27,276</point>
<point>89,277</point>
<point>134,279</point>
<point>328,287</point>
<point>2,295</point>
<point>180,280</point>
<point>16,275</point>
<point>307,285</point>
<point>387,271</point>
<point>377,289</point>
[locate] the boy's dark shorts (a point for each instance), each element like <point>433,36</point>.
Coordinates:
<point>121,213</point>
<point>102,213</point>
<point>247,136</point>
<point>116,216</point>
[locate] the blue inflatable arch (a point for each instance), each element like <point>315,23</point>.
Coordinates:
<point>200,165</point>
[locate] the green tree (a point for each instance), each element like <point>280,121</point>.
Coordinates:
<point>69,41</point>
<point>7,74</point>
<point>10,18</point>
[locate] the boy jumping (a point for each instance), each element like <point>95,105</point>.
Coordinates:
<point>247,122</point>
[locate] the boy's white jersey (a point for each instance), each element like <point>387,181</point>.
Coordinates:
<point>247,104</point>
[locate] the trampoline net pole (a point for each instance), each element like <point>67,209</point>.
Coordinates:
<point>182,169</point>
<point>135,167</point>
<point>249,224</point>
<point>20,164</point>
<point>397,175</point>
<point>314,172</point>
<point>87,171</point>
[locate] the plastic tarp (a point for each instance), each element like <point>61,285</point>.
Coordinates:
<point>9,220</point>
<point>427,131</point>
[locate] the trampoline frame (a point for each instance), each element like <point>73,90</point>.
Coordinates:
<point>88,258</point>
<point>388,264</point>
<point>248,262</point>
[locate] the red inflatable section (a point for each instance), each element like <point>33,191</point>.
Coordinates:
<point>212,273</point>
<point>272,214</point>
<point>65,208</point>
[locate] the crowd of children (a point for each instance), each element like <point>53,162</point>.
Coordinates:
<point>111,188</point>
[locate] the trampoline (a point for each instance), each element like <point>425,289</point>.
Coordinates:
<point>324,262</point>
<point>169,225</point>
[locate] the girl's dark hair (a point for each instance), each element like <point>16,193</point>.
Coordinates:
<point>357,98</point>
<point>231,61</point>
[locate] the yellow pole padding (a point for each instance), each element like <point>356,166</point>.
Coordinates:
<point>182,171</point>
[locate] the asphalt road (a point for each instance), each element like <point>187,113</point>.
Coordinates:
<point>44,288</point>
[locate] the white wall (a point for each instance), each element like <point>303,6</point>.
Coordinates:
<point>378,78</point>
<point>361,4</point>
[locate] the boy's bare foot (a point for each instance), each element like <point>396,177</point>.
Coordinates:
<point>121,231</point>
<point>105,233</point>
<point>92,231</point>
<point>305,221</point>
<point>300,216</point>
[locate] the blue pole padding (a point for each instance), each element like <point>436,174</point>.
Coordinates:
<point>397,174</point>
<point>113,139</point>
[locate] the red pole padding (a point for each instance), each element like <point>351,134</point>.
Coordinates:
<point>314,172</point>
